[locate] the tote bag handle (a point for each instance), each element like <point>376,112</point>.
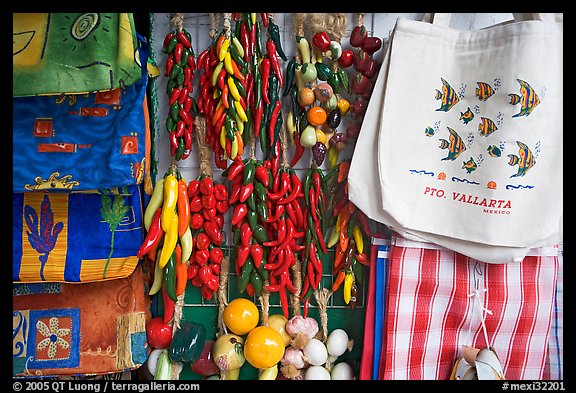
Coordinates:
<point>443,18</point>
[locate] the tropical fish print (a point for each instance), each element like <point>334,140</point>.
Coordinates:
<point>455,146</point>
<point>429,131</point>
<point>470,165</point>
<point>447,95</point>
<point>494,151</point>
<point>484,91</point>
<point>486,126</point>
<point>467,116</point>
<point>527,99</point>
<point>525,159</point>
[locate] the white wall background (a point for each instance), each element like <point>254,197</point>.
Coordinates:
<point>378,24</point>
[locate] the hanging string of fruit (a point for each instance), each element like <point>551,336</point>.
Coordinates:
<point>180,67</point>
<point>349,229</point>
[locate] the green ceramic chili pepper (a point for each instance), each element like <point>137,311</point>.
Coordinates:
<point>262,210</point>
<point>259,48</point>
<point>260,233</point>
<point>170,277</point>
<point>260,191</point>
<point>274,32</point>
<point>290,72</point>
<point>249,171</point>
<point>344,80</point>
<point>251,201</point>
<point>257,282</point>
<point>245,274</point>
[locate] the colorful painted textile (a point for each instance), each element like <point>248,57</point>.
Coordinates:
<point>76,237</point>
<point>81,142</point>
<point>80,329</point>
<point>71,53</point>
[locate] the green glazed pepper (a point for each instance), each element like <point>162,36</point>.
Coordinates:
<point>170,277</point>
<point>275,35</point>
<point>249,171</point>
<point>324,72</point>
<point>290,73</point>
<point>244,278</point>
<point>262,210</point>
<point>260,233</point>
<point>188,342</point>
<point>257,282</point>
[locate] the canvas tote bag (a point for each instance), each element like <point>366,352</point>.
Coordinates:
<point>364,174</point>
<point>470,143</point>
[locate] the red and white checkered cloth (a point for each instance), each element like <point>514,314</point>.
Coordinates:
<point>430,312</point>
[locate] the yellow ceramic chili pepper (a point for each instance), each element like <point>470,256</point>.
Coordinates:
<point>223,49</point>
<point>187,245</point>
<point>170,240</point>
<point>158,279</point>
<point>358,238</point>
<point>228,63</point>
<point>240,111</point>
<point>347,290</point>
<point>223,137</point>
<point>156,201</point>
<point>170,200</point>
<point>233,89</point>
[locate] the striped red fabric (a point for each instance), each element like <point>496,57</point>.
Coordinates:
<point>431,312</point>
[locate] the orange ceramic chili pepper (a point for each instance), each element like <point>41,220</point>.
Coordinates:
<point>183,207</point>
<point>181,271</point>
<point>338,280</point>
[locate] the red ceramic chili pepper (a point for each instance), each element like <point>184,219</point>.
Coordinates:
<point>296,188</point>
<point>196,221</point>
<point>265,66</point>
<point>273,120</point>
<point>235,169</point>
<point>183,39</point>
<point>277,214</point>
<point>202,240</point>
<point>252,46</point>
<point>169,305</point>
<point>154,235</point>
<point>256,252</point>
<point>264,17</point>
<point>245,41</point>
<point>258,114</point>
<point>298,151</point>
<point>274,63</point>
<point>321,40</point>
<point>213,232</point>
<point>240,211</point>
<point>300,223</point>
<point>242,253</point>
<point>183,206</point>
<point>202,257</point>
<point>169,65</point>
<point>216,255</point>
<point>246,191</point>
<point>178,49</point>
<point>245,234</point>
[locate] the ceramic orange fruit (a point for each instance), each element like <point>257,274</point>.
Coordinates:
<point>264,347</point>
<point>241,315</point>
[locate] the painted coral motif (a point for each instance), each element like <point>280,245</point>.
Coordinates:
<point>113,212</point>
<point>54,337</point>
<point>42,235</point>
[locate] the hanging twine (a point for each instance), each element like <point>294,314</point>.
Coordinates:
<point>299,19</point>
<point>203,148</point>
<point>214,22</point>
<point>222,297</point>
<point>297,279</point>
<point>177,21</point>
<point>227,23</point>
<point>178,307</point>
<point>264,299</point>
<point>360,21</point>
<point>322,296</point>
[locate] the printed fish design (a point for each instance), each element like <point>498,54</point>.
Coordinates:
<point>470,165</point>
<point>524,162</point>
<point>484,91</point>
<point>455,146</point>
<point>447,95</point>
<point>467,116</point>
<point>494,151</point>
<point>528,99</point>
<point>486,126</point>
<point>429,131</point>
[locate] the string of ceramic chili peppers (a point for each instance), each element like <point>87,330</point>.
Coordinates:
<point>223,96</point>
<point>208,204</point>
<point>168,241</point>
<point>315,199</point>
<point>250,179</point>
<point>268,120</point>
<point>285,226</point>
<point>348,235</point>
<point>180,67</point>
<point>366,72</point>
